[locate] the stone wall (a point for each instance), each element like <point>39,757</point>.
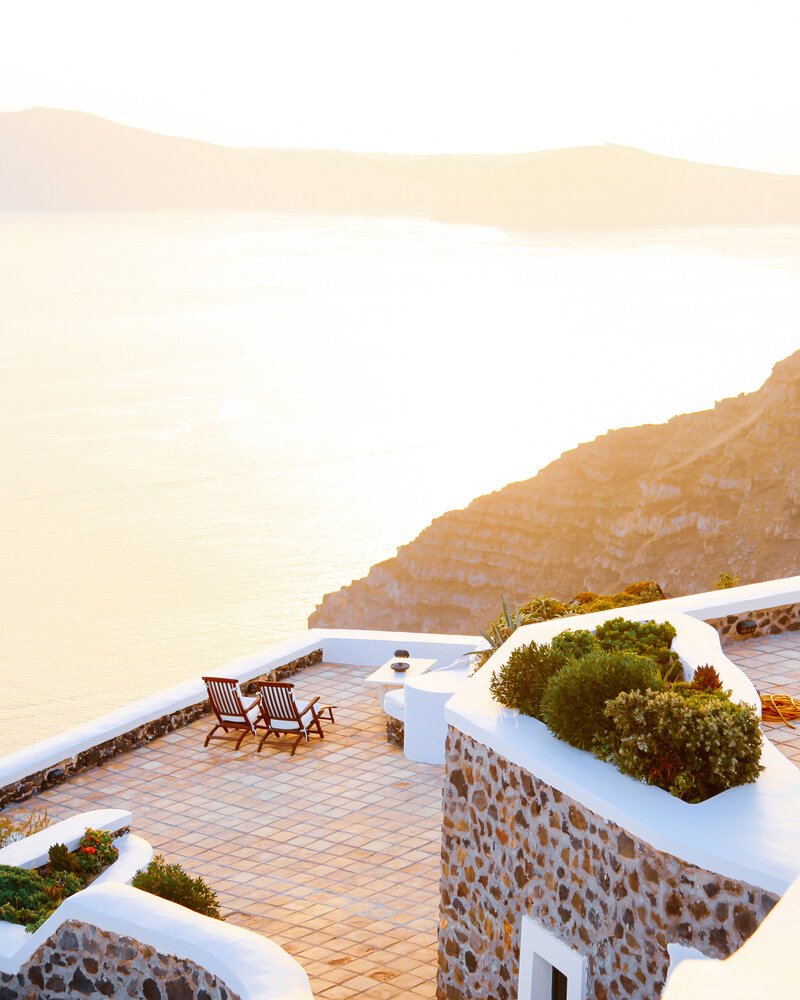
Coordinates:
<point>513,845</point>
<point>395,731</point>
<point>770,621</point>
<point>80,959</point>
<point>95,756</point>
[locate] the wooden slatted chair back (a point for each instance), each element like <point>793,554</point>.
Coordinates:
<point>226,702</point>
<point>277,702</point>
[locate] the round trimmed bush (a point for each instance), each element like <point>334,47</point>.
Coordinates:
<point>573,644</point>
<point>694,745</point>
<point>521,681</point>
<point>573,705</point>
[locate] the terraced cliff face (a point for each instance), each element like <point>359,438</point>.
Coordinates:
<point>675,502</point>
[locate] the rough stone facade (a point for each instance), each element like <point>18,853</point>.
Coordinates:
<point>395,731</point>
<point>79,960</point>
<point>96,756</point>
<point>770,621</point>
<point>513,845</point>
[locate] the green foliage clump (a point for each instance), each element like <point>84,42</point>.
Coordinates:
<point>544,608</point>
<point>521,681</point>
<point>12,830</point>
<point>29,897</point>
<point>573,705</point>
<point>173,883</point>
<point>643,592</point>
<point>24,898</point>
<point>641,637</point>
<point>647,638</point>
<point>725,581</point>
<point>693,746</point>
<point>61,859</point>
<point>572,645</point>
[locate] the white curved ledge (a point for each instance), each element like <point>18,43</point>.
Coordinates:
<point>251,965</point>
<point>134,853</point>
<point>32,852</point>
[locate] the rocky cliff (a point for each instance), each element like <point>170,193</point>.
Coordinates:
<point>675,502</point>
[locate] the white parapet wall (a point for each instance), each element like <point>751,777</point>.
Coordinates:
<point>355,647</point>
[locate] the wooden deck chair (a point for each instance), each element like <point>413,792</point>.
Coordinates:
<point>283,716</point>
<point>233,715</point>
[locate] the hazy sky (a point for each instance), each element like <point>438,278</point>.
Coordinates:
<point>713,80</point>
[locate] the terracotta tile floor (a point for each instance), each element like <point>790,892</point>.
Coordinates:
<point>332,853</point>
<point>773,665</point>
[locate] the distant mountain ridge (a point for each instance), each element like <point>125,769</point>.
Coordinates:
<point>52,159</point>
<point>713,491</point>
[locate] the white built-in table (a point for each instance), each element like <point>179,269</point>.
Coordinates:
<point>386,679</point>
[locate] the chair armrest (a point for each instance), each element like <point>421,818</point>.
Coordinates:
<point>310,707</point>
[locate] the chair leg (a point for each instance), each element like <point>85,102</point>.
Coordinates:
<point>297,742</point>
<point>210,735</point>
<point>245,732</point>
<point>263,740</point>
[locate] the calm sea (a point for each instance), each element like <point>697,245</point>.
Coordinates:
<point>209,420</point>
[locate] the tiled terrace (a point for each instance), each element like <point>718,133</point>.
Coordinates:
<point>773,665</point>
<point>332,853</point>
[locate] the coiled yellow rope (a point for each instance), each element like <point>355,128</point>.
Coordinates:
<point>779,708</point>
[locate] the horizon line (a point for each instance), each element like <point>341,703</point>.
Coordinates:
<point>387,153</point>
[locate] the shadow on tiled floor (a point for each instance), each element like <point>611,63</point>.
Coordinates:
<point>332,853</point>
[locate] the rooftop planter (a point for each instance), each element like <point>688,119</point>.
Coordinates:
<point>620,692</point>
<point>750,832</point>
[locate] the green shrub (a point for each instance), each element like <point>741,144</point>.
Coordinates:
<point>572,645</point>
<point>66,883</point>
<point>17,829</point>
<point>574,701</point>
<point>29,897</point>
<point>694,745</point>
<point>23,888</point>
<point>24,897</point>
<point>647,638</point>
<point>643,592</point>
<point>725,581</point>
<point>521,681</point>
<point>173,883</point>
<point>639,637</point>
<point>61,859</point>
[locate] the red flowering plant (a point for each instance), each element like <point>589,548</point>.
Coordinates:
<point>96,851</point>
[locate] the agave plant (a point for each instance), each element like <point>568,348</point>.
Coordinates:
<point>538,609</point>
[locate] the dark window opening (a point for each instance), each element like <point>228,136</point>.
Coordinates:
<point>558,989</point>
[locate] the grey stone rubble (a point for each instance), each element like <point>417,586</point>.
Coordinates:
<point>80,959</point>
<point>395,731</point>
<point>95,756</point>
<point>513,845</point>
